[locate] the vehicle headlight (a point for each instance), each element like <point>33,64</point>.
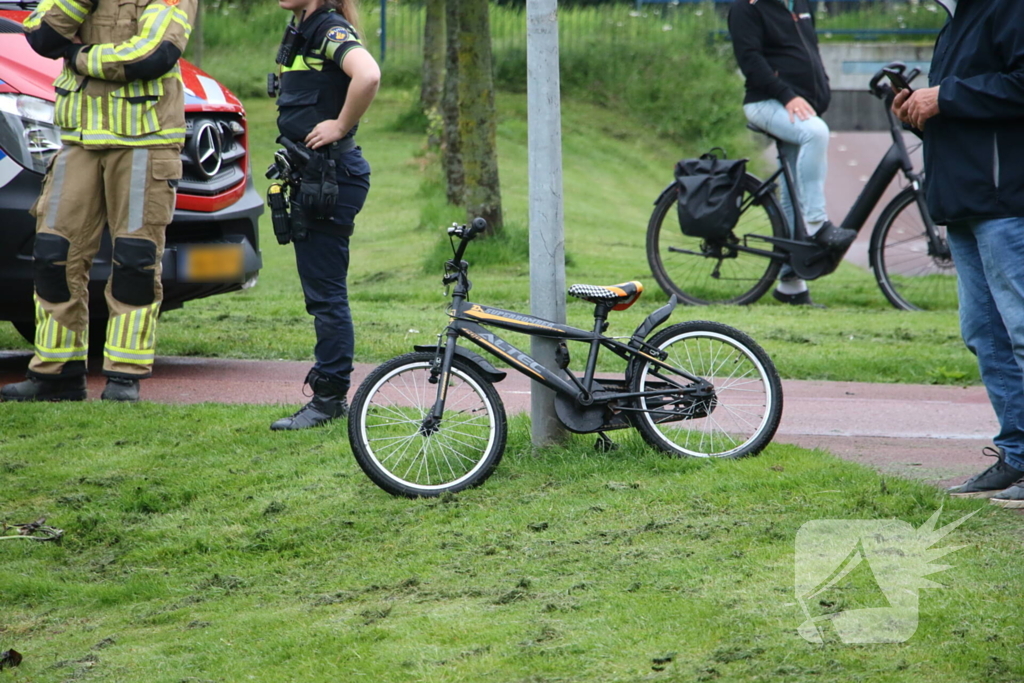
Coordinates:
<point>27,133</point>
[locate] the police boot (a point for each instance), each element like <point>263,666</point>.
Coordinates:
<point>121,389</point>
<point>328,403</point>
<point>56,389</point>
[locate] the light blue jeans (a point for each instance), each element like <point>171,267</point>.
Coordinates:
<point>805,148</point>
<point>989,257</point>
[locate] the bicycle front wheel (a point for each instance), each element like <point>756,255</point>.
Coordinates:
<point>738,419</point>
<point>912,273</point>
<point>701,272</point>
<point>402,452</point>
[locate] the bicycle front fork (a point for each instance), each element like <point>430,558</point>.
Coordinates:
<point>439,374</point>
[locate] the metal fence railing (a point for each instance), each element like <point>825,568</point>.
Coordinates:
<point>401,33</point>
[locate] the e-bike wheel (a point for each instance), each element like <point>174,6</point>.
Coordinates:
<point>401,452</point>
<point>705,272</point>
<point>911,273</point>
<point>738,418</point>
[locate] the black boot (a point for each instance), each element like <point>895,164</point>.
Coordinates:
<point>121,389</point>
<point>56,389</point>
<point>328,403</point>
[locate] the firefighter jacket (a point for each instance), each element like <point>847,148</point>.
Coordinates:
<point>313,84</point>
<point>121,84</point>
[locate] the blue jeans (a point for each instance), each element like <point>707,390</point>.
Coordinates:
<point>989,257</point>
<point>805,149</point>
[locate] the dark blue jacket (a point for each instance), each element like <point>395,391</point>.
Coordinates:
<point>974,148</point>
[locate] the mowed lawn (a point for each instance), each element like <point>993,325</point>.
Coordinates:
<point>199,546</point>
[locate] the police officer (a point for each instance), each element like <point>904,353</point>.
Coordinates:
<point>121,109</point>
<point>327,81</point>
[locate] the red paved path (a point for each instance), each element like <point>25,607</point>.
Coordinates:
<point>934,433</point>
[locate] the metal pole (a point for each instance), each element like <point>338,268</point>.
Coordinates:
<point>547,232</point>
<point>383,29</point>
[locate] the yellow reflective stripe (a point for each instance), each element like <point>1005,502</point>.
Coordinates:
<point>54,342</point>
<point>298,65</point>
<point>132,335</point>
<point>35,19</point>
<point>180,18</point>
<point>104,137</point>
<point>153,24</point>
<point>75,10</point>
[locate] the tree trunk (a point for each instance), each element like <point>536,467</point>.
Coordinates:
<point>433,69</point>
<point>478,118</point>
<point>451,144</point>
<point>197,42</point>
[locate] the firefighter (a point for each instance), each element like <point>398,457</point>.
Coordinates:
<point>120,107</point>
<point>327,80</point>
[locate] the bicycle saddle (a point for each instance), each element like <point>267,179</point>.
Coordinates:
<point>623,295</point>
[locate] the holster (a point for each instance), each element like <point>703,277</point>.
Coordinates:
<point>318,192</point>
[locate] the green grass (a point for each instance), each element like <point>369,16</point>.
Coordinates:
<point>213,550</point>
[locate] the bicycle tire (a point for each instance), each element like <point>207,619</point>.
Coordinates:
<point>909,277</point>
<point>384,428</point>
<point>743,279</point>
<point>746,409</point>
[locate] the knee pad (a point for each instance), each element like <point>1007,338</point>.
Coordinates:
<point>50,259</point>
<point>133,281</point>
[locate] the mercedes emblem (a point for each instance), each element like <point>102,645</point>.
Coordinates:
<point>206,149</point>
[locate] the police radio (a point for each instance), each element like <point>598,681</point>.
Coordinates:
<point>292,43</point>
<point>291,46</point>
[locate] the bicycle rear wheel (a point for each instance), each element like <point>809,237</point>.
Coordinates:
<point>701,272</point>
<point>911,273</point>
<point>741,416</point>
<point>405,456</point>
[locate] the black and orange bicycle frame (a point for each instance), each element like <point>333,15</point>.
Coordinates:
<point>467,321</point>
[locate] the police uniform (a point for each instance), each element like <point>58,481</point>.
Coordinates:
<point>120,107</point>
<point>313,88</point>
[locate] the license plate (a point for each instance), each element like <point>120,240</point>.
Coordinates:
<point>211,263</point>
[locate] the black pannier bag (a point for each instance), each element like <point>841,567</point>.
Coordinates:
<point>710,194</point>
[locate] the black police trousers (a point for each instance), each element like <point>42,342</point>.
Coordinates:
<point>322,261</point>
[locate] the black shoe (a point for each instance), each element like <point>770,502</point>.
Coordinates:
<point>121,389</point>
<point>997,478</point>
<point>833,237</point>
<point>328,403</point>
<point>801,299</point>
<point>35,389</point>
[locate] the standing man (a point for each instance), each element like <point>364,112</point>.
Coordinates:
<point>787,92</point>
<point>121,108</point>
<point>972,120</point>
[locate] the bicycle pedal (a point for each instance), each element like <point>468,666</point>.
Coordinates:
<point>604,444</point>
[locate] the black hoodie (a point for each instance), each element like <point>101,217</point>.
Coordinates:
<point>777,50</point>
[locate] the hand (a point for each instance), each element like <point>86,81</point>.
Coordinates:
<point>919,107</point>
<point>800,108</point>
<point>324,134</point>
<point>897,104</point>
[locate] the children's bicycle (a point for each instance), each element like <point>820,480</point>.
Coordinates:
<point>431,421</point>
<point>908,253</point>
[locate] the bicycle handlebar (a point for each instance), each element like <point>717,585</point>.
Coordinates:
<point>468,232</point>
<point>465,233</point>
<point>883,90</point>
